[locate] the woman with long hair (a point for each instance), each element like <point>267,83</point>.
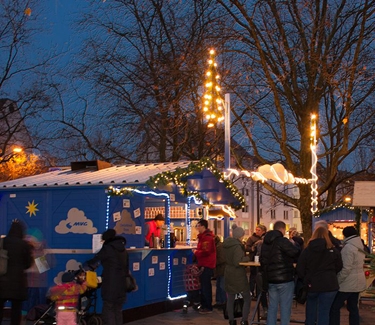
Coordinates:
<point>318,266</point>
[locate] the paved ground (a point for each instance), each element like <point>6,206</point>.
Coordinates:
<point>176,317</point>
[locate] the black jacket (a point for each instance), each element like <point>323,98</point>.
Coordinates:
<point>277,257</point>
<point>13,284</point>
<point>115,261</point>
<point>318,266</point>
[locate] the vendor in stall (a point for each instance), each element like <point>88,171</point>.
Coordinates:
<point>153,227</point>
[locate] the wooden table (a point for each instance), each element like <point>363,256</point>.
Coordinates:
<point>250,263</point>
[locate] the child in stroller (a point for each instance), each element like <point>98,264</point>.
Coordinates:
<point>66,297</point>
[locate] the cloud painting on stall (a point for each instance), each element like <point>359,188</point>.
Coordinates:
<point>71,265</point>
<point>76,223</point>
<point>126,224</point>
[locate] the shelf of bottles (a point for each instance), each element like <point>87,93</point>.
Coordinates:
<point>176,212</point>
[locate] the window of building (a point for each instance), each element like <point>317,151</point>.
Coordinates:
<point>286,215</point>
<point>260,213</point>
<point>273,214</point>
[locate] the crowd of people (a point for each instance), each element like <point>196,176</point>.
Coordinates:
<point>332,271</point>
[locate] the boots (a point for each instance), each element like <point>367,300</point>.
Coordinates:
<point>232,322</point>
<point>244,322</point>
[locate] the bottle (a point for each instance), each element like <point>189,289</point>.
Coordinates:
<point>152,239</point>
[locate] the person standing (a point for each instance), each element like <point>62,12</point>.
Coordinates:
<point>251,247</point>
<point>276,263</point>
<point>206,258</point>
<point>115,261</point>
<point>153,229</point>
<point>13,284</point>
<point>221,296</point>
<point>235,274</point>
<point>318,266</point>
<point>351,278</point>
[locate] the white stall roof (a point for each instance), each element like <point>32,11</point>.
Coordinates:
<point>125,174</point>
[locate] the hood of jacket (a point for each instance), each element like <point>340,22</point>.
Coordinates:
<point>230,242</point>
<point>118,243</point>
<point>270,236</point>
<point>355,241</point>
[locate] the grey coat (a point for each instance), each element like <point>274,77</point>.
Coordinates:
<point>235,277</point>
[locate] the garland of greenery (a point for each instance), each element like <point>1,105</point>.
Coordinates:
<point>179,177</point>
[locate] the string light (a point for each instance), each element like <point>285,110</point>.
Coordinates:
<point>314,161</point>
<point>212,101</point>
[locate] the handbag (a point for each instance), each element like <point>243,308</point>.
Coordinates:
<point>130,283</point>
<point>237,307</point>
<point>301,291</point>
<point>3,258</point>
<point>91,279</point>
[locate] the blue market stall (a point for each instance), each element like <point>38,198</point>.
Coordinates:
<point>342,215</point>
<point>72,206</point>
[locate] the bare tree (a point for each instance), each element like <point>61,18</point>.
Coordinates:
<point>145,63</point>
<point>22,75</point>
<point>298,58</point>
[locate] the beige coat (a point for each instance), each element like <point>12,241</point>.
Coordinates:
<point>352,277</point>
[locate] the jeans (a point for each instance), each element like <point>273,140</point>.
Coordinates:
<point>112,313</point>
<point>221,296</point>
<point>280,294</point>
<point>206,288</point>
<point>351,305</point>
<point>318,305</point>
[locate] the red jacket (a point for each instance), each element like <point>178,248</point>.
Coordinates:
<point>206,249</point>
<point>152,230</point>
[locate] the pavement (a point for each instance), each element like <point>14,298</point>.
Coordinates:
<point>177,317</point>
<point>366,310</point>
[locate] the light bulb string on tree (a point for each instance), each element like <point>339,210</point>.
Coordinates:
<point>212,102</point>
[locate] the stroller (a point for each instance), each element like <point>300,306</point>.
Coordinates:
<point>86,310</point>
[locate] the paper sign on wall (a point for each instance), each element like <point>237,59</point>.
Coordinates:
<point>126,203</point>
<point>116,216</point>
<point>154,260</point>
<point>137,213</point>
<point>175,261</point>
<point>97,243</point>
<point>162,266</point>
<point>151,272</point>
<point>184,260</point>
<point>136,266</point>
<point>138,230</point>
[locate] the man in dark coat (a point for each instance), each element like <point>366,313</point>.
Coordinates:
<point>276,262</point>
<point>13,284</point>
<point>115,261</point>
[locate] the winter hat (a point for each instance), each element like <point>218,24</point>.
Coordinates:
<point>109,234</point>
<point>159,217</point>
<point>237,232</point>
<point>67,277</point>
<point>349,231</point>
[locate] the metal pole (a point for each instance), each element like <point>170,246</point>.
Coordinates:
<point>227,131</point>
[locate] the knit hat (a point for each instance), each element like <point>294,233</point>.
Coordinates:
<point>159,217</point>
<point>109,234</point>
<point>349,231</point>
<point>67,277</point>
<point>237,232</point>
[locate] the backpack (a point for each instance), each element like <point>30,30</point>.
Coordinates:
<point>3,258</point>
